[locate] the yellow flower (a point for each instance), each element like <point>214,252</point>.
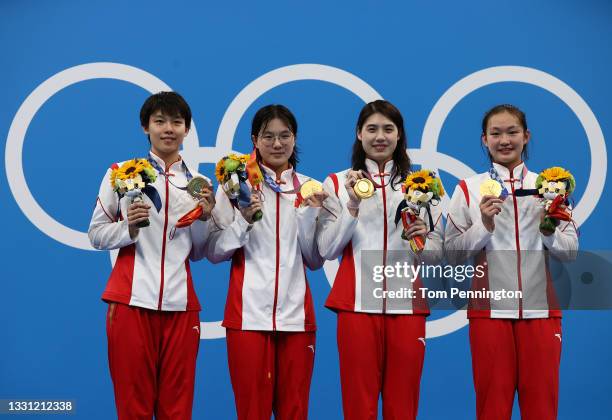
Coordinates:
<point>240,158</point>
<point>220,171</point>
<point>131,169</point>
<point>555,173</point>
<point>128,170</point>
<point>145,164</point>
<point>113,177</point>
<point>419,180</point>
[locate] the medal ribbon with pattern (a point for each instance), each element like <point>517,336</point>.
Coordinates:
<point>495,177</point>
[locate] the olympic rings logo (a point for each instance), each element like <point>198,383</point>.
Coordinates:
<point>427,155</point>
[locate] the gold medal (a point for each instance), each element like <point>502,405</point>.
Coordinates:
<point>310,187</point>
<point>364,188</point>
<point>490,187</point>
<point>197,186</point>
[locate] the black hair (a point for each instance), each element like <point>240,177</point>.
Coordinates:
<point>512,110</point>
<point>169,103</point>
<point>266,114</point>
<point>400,157</point>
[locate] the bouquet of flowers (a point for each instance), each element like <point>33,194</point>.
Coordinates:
<point>232,172</point>
<point>421,189</point>
<point>554,185</point>
<point>131,178</point>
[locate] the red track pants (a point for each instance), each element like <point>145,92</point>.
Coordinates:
<point>270,372</point>
<point>152,359</point>
<point>516,355</point>
<point>380,353</point>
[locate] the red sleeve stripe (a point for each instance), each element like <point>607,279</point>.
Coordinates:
<point>575,227</point>
<point>334,179</point>
<point>463,186</point>
<point>104,210</point>
<point>448,217</point>
<point>436,224</point>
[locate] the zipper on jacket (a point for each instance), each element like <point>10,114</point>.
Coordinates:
<point>518,244</point>
<point>384,197</point>
<point>277,261</point>
<point>163,253</point>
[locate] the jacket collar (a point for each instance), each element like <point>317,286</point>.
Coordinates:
<point>285,178</point>
<point>377,176</point>
<point>505,174</point>
<point>372,167</point>
<point>175,166</point>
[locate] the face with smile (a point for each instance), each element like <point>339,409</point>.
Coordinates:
<point>166,134</point>
<point>505,138</point>
<point>275,143</point>
<point>379,137</point>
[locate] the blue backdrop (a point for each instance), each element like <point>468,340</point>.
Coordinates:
<point>442,63</point>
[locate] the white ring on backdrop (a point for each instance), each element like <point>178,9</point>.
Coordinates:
<point>23,118</point>
<point>491,75</point>
<point>281,76</point>
<point>457,168</point>
<point>427,156</point>
<point>250,93</point>
<point>16,137</point>
<point>194,154</point>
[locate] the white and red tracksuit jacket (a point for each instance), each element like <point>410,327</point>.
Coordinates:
<point>152,270</point>
<point>373,229</point>
<point>514,252</point>
<point>268,289</point>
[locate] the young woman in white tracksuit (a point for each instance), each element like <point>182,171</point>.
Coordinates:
<point>153,323</point>
<point>515,343</point>
<point>269,315</point>
<point>381,340</point>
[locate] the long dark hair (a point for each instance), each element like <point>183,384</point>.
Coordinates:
<point>400,157</point>
<point>266,114</point>
<point>512,110</point>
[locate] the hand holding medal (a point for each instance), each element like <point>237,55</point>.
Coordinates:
<point>351,180</point>
<point>312,193</point>
<point>493,194</point>
<point>364,188</point>
<point>310,187</point>
<point>358,187</point>
<point>490,187</point>
<point>199,189</point>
